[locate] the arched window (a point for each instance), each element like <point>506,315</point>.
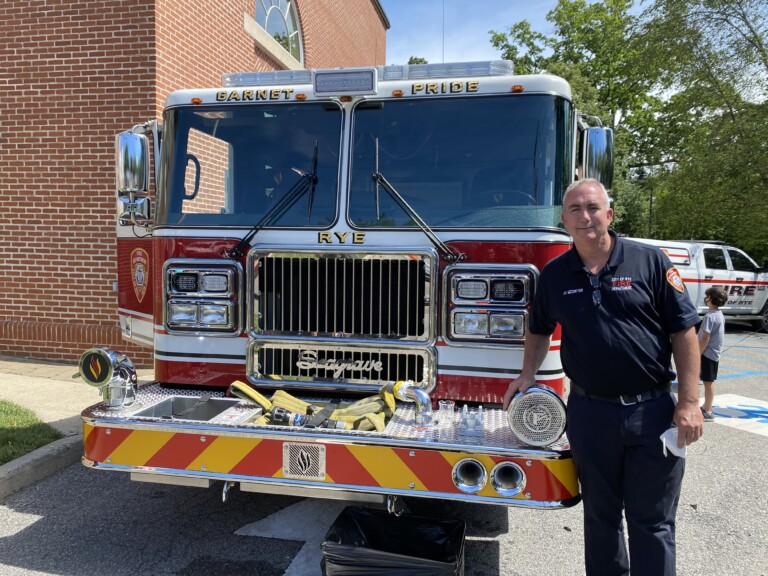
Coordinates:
<point>281,21</point>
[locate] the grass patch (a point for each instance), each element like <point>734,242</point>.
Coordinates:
<point>21,431</point>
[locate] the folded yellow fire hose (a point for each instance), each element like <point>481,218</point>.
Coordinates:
<point>370,413</point>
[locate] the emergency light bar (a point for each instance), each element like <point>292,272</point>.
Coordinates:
<point>450,70</point>
<point>348,82</point>
<point>364,80</point>
<point>281,77</point>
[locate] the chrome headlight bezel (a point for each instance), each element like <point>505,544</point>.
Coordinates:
<point>202,287</point>
<point>495,298</point>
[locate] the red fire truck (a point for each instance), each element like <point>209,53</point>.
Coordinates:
<point>320,243</point>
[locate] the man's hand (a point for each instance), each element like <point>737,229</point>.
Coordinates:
<point>687,417</point>
<point>689,422</point>
<point>520,384</point>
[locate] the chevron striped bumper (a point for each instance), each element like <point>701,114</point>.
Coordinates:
<point>400,461</point>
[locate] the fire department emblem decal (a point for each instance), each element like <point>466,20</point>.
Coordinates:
<point>674,279</point>
<point>140,272</point>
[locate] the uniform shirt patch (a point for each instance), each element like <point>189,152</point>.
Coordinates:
<point>574,291</point>
<point>674,280</point>
<point>619,283</point>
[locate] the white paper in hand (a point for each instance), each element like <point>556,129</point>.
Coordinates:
<point>669,442</point>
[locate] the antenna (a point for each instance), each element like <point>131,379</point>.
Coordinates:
<point>443,31</point>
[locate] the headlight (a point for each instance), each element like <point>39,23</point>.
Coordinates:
<point>507,325</point>
<point>201,315</point>
<point>182,313</point>
<point>488,304</point>
<point>472,289</point>
<point>470,324</point>
<point>202,296</point>
<point>214,314</point>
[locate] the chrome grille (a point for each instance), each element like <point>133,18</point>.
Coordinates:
<point>280,364</point>
<point>342,294</point>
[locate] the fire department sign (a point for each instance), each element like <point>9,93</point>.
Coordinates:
<point>140,272</point>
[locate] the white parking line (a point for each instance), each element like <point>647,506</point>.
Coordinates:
<point>306,521</point>
<point>741,412</point>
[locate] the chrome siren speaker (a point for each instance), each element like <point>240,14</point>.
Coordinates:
<point>537,416</point>
<point>113,373</point>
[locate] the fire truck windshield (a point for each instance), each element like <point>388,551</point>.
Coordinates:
<point>229,165</point>
<point>467,162</point>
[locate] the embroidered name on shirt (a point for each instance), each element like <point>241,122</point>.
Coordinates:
<point>621,283</point>
<point>574,291</point>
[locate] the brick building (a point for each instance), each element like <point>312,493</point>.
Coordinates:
<point>76,72</point>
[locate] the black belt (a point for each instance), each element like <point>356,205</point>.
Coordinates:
<point>625,399</point>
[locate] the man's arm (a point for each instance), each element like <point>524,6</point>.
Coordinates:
<point>688,417</point>
<point>536,348</point>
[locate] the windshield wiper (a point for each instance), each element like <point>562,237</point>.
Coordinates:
<point>312,182</point>
<point>379,180</point>
<point>306,182</point>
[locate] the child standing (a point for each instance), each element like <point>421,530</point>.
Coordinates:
<point>711,336</point>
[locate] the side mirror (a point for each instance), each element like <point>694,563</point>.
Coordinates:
<point>132,161</point>
<point>598,155</point>
<point>133,211</point>
<point>132,179</point>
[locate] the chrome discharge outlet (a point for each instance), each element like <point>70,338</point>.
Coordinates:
<point>469,475</point>
<point>113,373</point>
<point>508,479</point>
<point>407,391</point>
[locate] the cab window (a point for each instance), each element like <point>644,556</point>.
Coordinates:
<point>741,261</point>
<point>715,258</point>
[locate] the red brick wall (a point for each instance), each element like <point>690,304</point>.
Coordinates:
<point>76,72</point>
<point>339,34</point>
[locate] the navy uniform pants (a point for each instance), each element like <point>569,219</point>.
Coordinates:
<point>621,466</point>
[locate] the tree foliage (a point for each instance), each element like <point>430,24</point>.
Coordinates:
<point>684,84</point>
<point>713,178</point>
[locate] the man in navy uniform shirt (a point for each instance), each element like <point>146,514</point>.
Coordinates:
<point>624,313</point>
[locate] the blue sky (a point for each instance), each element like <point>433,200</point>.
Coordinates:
<point>456,30</point>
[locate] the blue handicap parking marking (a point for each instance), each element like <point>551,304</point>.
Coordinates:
<point>741,412</point>
<point>757,413</point>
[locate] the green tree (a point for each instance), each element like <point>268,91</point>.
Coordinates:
<point>711,135</point>
<point>417,60</point>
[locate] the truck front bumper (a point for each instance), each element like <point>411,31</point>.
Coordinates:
<point>216,440</point>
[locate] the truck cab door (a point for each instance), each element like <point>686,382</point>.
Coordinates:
<point>715,272</point>
<point>746,288</point>
<point>136,272</point>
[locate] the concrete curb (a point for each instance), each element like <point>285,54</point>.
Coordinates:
<point>39,464</point>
